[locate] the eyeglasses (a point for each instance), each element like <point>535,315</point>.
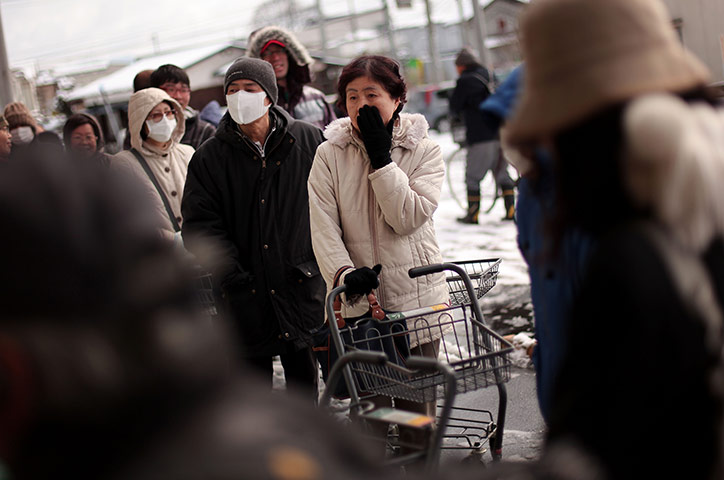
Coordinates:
<point>271,52</point>
<point>173,90</point>
<point>5,129</point>
<point>81,138</point>
<point>156,117</point>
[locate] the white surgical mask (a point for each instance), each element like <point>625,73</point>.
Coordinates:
<point>245,107</point>
<point>22,135</point>
<point>161,131</point>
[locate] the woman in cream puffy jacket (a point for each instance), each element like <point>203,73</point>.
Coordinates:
<point>369,209</point>
<point>166,157</point>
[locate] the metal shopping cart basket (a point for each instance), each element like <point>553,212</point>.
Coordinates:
<point>204,291</point>
<point>483,273</point>
<point>477,356</point>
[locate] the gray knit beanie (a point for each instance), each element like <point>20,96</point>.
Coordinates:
<point>253,69</point>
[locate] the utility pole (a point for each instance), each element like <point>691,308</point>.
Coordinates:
<point>463,27</point>
<point>432,45</point>
<point>352,18</point>
<point>6,92</point>
<point>390,29</point>
<point>322,29</point>
<point>480,35</point>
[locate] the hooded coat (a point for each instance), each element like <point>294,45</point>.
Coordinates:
<point>362,217</point>
<point>252,210</point>
<point>101,157</point>
<point>309,104</point>
<point>168,164</point>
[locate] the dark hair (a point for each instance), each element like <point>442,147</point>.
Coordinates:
<point>169,73</point>
<point>142,80</point>
<point>383,70</point>
<point>297,77</point>
<point>78,120</point>
<point>589,162</point>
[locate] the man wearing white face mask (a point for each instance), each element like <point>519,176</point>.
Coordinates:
<point>156,126</point>
<point>246,200</point>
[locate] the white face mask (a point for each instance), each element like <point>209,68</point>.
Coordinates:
<point>245,107</point>
<point>22,135</point>
<point>161,131</point>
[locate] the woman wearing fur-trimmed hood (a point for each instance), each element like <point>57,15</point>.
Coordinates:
<point>291,63</point>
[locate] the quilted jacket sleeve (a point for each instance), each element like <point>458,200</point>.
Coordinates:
<point>409,202</point>
<point>329,248</point>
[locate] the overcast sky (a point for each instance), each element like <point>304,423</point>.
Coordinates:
<point>43,33</point>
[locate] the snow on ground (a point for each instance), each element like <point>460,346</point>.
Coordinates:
<point>507,306</point>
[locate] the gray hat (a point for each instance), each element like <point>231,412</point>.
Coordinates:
<point>253,69</point>
<point>466,58</point>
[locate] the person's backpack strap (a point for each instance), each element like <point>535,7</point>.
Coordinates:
<point>487,84</point>
<point>152,177</point>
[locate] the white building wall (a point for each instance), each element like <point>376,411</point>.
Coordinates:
<point>701,26</point>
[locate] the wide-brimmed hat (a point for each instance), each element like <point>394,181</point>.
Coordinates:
<point>584,55</point>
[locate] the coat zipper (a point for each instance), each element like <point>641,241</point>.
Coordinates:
<point>375,245</point>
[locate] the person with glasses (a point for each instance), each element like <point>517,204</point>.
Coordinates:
<point>159,159</point>
<point>291,61</point>
<point>174,81</point>
<point>5,139</point>
<point>83,139</point>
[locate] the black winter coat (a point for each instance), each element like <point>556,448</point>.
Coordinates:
<point>255,212</point>
<point>637,370</point>
<point>469,92</point>
<point>197,131</point>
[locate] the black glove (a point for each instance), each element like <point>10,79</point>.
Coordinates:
<point>362,280</point>
<point>376,136</point>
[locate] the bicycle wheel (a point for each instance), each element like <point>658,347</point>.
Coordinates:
<point>455,176</point>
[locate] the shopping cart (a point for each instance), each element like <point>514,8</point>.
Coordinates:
<point>476,356</point>
<point>204,292</point>
<point>483,274</point>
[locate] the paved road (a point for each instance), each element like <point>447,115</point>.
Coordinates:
<point>524,426</point>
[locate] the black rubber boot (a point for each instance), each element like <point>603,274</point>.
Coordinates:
<point>473,208</point>
<point>509,199</point>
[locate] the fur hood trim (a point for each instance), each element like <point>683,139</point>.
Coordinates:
<point>675,163</point>
<point>260,37</point>
<point>410,130</point>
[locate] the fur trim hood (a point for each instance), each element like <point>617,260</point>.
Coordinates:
<point>409,131</point>
<point>675,163</point>
<point>260,37</point>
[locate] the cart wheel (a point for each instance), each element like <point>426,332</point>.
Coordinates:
<point>475,458</point>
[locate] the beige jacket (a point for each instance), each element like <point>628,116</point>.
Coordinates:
<point>168,164</point>
<point>362,217</point>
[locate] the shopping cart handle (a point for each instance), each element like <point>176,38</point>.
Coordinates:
<point>426,270</point>
<point>421,363</point>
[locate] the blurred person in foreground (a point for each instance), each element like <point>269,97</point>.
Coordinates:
<point>107,368</point>
<point>174,81</point>
<point>83,139</point>
<point>555,266</point>
<point>246,196</point>
<point>637,151</point>
<point>291,62</point>
<point>373,190</point>
<point>481,135</point>
<point>6,140</point>
<point>157,158</point>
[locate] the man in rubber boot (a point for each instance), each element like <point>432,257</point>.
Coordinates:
<point>473,87</point>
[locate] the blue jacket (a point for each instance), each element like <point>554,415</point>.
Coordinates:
<point>555,276</point>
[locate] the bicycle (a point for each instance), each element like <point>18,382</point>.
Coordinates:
<point>455,175</point>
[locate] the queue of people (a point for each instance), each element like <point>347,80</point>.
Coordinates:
<point>620,150</point>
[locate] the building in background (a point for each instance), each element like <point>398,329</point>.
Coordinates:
<point>700,26</point>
